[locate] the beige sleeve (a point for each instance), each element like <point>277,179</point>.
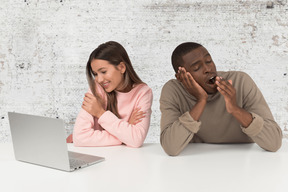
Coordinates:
<point>177,129</point>
<point>266,133</point>
<point>263,130</point>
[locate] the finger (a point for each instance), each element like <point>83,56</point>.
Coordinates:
<point>177,75</point>
<point>223,81</point>
<point>134,112</point>
<point>137,110</point>
<point>87,99</point>
<point>137,121</point>
<point>220,86</point>
<point>140,116</point>
<point>191,79</point>
<point>181,74</point>
<point>222,92</point>
<point>185,79</point>
<point>84,107</point>
<point>225,86</point>
<point>228,87</point>
<point>88,95</point>
<point>84,103</point>
<point>182,70</point>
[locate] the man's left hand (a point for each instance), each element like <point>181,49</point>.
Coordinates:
<point>226,88</point>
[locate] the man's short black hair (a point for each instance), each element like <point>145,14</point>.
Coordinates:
<point>180,51</point>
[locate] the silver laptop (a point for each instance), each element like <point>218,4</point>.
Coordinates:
<point>42,141</point>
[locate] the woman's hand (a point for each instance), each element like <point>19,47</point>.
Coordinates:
<point>93,105</point>
<point>136,116</point>
<point>69,139</point>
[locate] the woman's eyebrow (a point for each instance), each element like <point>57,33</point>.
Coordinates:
<point>101,68</point>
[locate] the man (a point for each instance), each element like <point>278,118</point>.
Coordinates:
<point>206,106</point>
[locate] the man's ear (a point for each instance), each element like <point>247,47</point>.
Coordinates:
<point>121,67</point>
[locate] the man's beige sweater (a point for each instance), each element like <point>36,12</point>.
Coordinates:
<point>216,125</point>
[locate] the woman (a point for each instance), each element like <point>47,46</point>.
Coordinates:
<point>117,110</point>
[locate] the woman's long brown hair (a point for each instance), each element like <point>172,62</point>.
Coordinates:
<point>114,53</point>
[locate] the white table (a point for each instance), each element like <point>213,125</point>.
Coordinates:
<point>200,167</point>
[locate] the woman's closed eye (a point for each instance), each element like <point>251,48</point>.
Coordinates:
<point>103,72</point>
<point>94,74</point>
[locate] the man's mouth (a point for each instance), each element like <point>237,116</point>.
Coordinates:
<point>212,80</point>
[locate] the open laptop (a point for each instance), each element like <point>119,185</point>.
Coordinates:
<point>42,141</point>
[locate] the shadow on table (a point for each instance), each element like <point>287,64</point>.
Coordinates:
<point>204,148</point>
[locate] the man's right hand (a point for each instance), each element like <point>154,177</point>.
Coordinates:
<point>194,89</point>
<point>190,84</point>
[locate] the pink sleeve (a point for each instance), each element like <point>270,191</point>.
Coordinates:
<point>88,132</point>
<point>131,135</point>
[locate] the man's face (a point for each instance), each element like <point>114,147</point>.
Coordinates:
<point>200,65</point>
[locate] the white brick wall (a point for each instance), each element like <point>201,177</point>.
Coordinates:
<point>44,47</point>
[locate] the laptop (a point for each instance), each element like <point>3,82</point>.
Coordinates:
<point>42,141</point>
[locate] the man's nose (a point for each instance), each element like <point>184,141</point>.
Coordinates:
<point>207,68</point>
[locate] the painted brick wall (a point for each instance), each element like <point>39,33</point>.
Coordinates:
<point>44,47</point>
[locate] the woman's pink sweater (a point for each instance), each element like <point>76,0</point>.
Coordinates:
<point>109,129</point>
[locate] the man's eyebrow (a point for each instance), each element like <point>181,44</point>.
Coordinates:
<point>208,54</point>
<point>195,63</point>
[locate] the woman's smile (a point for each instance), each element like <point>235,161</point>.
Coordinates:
<point>107,75</point>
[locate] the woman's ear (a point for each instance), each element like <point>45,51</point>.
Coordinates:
<point>121,67</point>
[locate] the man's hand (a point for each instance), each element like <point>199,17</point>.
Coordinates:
<point>194,89</point>
<point>93,105</point>
<point>136,116</point>
<point>191,85</point>
<point>228,91</point>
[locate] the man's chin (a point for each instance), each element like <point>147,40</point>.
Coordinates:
<point>211,91</point>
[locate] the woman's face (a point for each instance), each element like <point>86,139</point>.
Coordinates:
<point>107,75</point>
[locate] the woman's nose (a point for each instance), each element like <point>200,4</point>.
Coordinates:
<point>99,78</point>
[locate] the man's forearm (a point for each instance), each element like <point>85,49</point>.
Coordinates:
<point>243,117</point>
<point>198,109</point>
